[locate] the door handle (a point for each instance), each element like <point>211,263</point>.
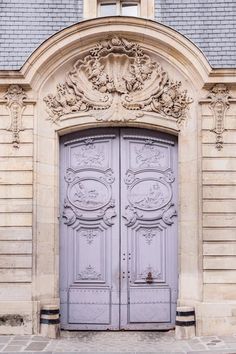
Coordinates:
<point>149,278</point>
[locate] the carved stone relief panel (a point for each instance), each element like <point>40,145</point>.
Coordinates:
<point>118,81</point>
<point>219,104</point>
<point>15,97</point>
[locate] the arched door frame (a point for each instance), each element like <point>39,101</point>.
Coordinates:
<point>45,69</point>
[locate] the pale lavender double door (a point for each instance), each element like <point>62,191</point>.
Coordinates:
<point>118,230</point>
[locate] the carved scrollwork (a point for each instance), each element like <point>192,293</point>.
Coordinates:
<point>129,177</point>
<point>109,176</point>
<point>15,97</point>
<point>169,176</point>
<point>117,81</point>
<point>108,213</point>
<point>219,96</point>
<point>168,214</point>
<point>70,176</point>
<point>89,155</point>
<point>131,215</point>
<point>90,235</point>
<point>69,215</point>
<point>149,234</point>
<point>89,198</point>
<point>149,155</point>
<point>155,273</point>
<point>89,273</point>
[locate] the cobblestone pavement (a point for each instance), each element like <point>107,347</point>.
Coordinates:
<point>117,342</point>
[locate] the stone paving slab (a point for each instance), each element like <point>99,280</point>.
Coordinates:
<point>135,342</point>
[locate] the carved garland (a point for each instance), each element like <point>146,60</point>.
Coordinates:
<point>117,81</point>
<point>15,97</point>
<point>219,96</point>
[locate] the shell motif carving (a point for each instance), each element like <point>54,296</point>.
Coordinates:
<point>117,81</point>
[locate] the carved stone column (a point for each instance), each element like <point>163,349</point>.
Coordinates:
<point>15,97</point>
<point>219,104</point>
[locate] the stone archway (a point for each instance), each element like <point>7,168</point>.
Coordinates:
<point>84,89</point>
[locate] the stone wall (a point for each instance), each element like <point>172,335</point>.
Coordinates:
<point>219,211</point>
<point>16,193</point>
<point>29,169</point>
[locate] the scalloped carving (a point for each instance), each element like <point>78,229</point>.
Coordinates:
<point>117,81</point>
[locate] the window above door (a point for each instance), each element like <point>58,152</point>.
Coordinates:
<point>118,7</point>
<point>103,8</point>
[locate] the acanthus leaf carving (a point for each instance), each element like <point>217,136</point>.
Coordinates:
<point>219,104</point>
<point>117,81</point>
<point>15,97</point>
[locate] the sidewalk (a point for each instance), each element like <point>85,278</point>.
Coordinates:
<point>117,342</point>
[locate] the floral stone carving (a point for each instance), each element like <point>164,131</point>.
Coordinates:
<point>117,81</point>
<point>219,96</point>
<point>15,97</point>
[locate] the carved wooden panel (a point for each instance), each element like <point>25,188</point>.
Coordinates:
<point>90,231</point>
<point>89,306</point>
<point>148,230</point>
<point>150,305</point>
<point>118,243</point>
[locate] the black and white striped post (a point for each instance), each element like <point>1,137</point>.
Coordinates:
<point>50,321</point>
<point>185,324</point>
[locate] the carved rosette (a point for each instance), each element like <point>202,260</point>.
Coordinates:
<point>15,97</point>
<point>117,81</point>
<point>219,96</point>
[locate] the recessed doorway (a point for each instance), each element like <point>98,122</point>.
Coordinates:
<point>118,229</point>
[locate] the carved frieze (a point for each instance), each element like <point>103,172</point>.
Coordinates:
<point>219,96</point>
<point>15,97</point>
<point>117,81</point>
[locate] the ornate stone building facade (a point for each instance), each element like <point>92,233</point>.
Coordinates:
<point>117,140</point>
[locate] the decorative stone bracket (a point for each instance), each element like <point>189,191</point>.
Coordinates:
<point>219,104</point>
<point>117,81</point>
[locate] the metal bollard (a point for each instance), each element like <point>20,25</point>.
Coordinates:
<point>50,321</point>
<point>185,324</point>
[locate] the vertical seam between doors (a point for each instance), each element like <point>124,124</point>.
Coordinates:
<point>120,269</point>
